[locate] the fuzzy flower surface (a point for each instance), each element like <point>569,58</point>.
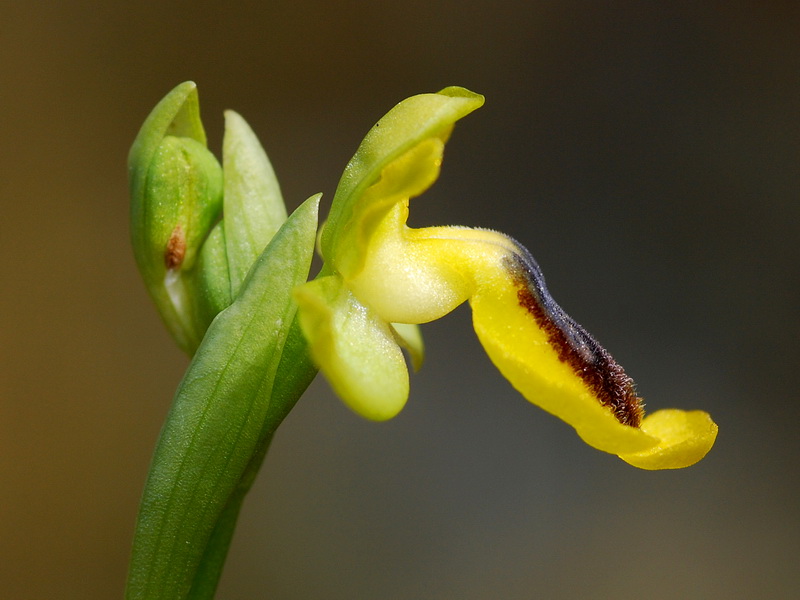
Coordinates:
<point>381,278</point>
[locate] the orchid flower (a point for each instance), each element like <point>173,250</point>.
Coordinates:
<point>381,278</point>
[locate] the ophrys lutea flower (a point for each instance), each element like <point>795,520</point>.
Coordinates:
<point>381,278</point>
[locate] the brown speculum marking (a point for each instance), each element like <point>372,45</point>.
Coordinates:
<point>176,248</point>
<point>588,359</point>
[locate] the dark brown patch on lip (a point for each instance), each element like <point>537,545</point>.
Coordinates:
<point>176,248</point>
<point>588,359</point>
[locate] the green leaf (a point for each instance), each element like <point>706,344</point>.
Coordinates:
<point>224,413</point>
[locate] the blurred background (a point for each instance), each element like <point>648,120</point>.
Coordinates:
<point>647,155</point>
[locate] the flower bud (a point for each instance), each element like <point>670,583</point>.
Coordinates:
<point>176,199</point>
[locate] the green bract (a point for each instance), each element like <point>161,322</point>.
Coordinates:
<point>254,208</point>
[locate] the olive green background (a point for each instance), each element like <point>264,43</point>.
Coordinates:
<point>647,156</point>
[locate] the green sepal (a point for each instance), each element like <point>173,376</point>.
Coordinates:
<point>209,281</point>
<point>223,415</point>
<point>183,190</point>
<point>408,124</point>
<point>177,114</point>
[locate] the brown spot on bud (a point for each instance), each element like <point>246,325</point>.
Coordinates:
<point>176,248</point>
<point>588,359</point>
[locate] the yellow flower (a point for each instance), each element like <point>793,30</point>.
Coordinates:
<point>381,278</point>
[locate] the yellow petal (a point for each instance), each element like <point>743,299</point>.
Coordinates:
<point>355,349</point>
<point>684,438</point>
<point>409,337</point>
